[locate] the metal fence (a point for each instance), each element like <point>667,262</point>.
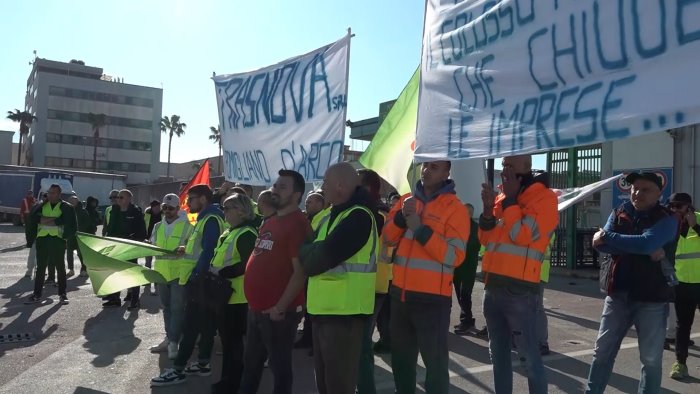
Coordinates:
<point>560,165</point>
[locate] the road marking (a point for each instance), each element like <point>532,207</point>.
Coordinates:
<point>489,367</point>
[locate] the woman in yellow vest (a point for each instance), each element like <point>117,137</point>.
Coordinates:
<point>230,258</point>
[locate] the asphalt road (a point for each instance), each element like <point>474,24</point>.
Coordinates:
<point>80,348</point>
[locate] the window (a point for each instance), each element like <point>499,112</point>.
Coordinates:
<point>99,96</point>
<point>110,120</point>
<point>102,165</point>
<point>104,142</point>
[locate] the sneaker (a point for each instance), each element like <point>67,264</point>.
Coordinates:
<point>160,348</point>
<point>172,350</point>
<point>198,369</point>
<point>112,304</point>
<point>679,371</point>
<point>70,273</point>
<point>544,350</point>
<point>33,299</point>
<point>464,330</point>
<point>63,299</point>
<point>169,377</point>
<point>483,333</point>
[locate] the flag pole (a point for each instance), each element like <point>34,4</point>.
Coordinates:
<point>347,87</point>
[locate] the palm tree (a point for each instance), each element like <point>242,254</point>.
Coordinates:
<point>216,137</point>
<point>24,119</point>
<point>97,121</point>
<point>172,126</point>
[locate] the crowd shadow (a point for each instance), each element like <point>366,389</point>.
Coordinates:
<point>110,334</point>
<point>578,286</point>
<point>580,321</point>
<point>13,249</point>
<point>21,324</point>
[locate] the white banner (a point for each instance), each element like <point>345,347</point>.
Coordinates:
<point>518,76</point>
<point>569,197</point>
<point>287,116</point>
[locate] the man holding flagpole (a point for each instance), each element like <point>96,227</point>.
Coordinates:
<point>200,319</point>
<point>171,233</point>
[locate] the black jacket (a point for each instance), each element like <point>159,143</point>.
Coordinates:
<point>128,224</point>
<point>67,220</point>
<point>86,224</point>
<point>91,208</point>
<point>347,238</point>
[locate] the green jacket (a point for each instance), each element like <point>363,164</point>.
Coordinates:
<point>67,219</point>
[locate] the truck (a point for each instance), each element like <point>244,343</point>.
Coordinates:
<point>15,181</point>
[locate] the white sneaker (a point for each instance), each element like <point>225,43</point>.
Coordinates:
<point>160,348</point>
<point>172,350</point>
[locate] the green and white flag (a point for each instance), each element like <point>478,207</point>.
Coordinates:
<point>108,267</point>
<point>569,197</point>
<point>390,153</point>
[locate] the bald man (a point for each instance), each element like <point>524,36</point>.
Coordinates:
<point>515,227</point>
<point>341,265</point>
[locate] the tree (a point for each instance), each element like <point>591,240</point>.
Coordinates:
<point>216,137</point>
<point>24,119</point>
<point>172,126</point>
<point>96,121</point>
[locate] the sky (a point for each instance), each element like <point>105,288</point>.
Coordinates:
<point>177,44</point>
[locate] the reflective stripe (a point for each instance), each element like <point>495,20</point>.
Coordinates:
<point>534,229</point>
<point>422,264</point>
<point>695,255</point>
<point>531,223</point>
<point>356,268</point>
<point>515,250</point>
<point>451,255</point>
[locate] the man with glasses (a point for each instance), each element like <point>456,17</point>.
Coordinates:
<point>126,221</point>
<point>113,197</point>
<point>171,233</point>
<point>687,263</point>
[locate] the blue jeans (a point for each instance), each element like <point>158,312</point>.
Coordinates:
<point>510,314</point>
<point>172,297</point>
<point>619,314</point>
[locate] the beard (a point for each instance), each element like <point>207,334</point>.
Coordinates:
<point>278,202</point>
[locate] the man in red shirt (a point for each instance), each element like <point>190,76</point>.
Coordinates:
<point>274,284</point>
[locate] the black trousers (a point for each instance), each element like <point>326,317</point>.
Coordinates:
<point>200,321</point>
<point>337,348</point>
<point>231,324</point>
<point>384,321</point>
<point>420,327</point>
<point>49,254</point>
<point>464,278</point>
<point>70,256</point>
<point>687,300</point>
<point>275,339</point>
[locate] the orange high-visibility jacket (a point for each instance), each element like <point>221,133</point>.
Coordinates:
<point>428,267</point>
<point>515,247</point>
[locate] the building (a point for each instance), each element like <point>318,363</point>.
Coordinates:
<point>62,95</point>
<point>7,147</point>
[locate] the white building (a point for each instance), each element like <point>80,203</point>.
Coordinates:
<point>61,95</point>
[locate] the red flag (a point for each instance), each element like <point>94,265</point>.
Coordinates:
<point>201,177</point>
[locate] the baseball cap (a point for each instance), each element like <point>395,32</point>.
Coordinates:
<point>171,200</point>
<point>680,198</point>
<point>649,176</point>
<point>155,203</point>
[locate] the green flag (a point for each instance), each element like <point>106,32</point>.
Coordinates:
<point>390,153</point>
<point>107,263</point>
